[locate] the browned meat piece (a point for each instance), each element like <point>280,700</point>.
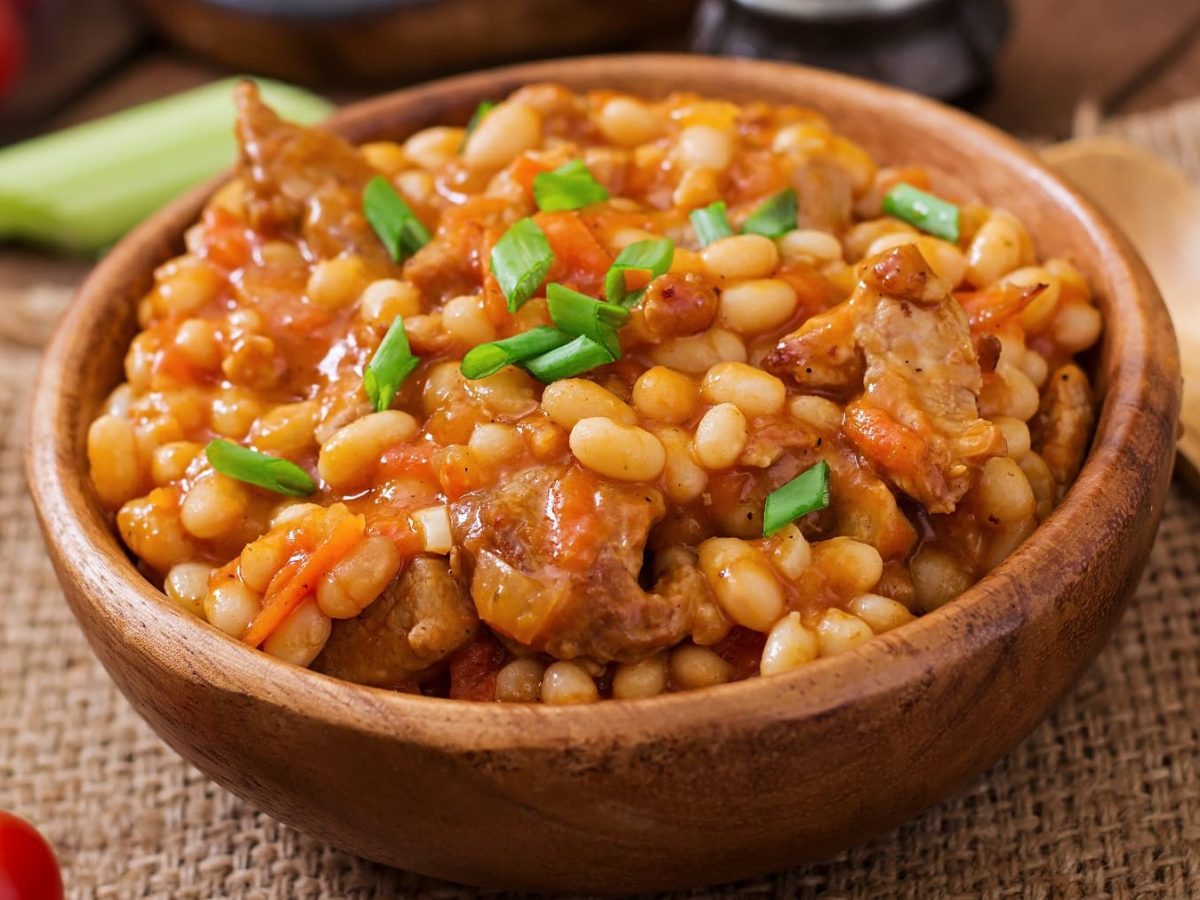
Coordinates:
<point>918,420</point>
<point>421,618</point>
<point>1064,423</point>
<point>555,554</point>
<point>865,508</point>
<point>735,497</point>
<point>825,193</point>
<point>454,261</point>
<point>678,304</point>
<point>821,355</point>
<point>305,181</point>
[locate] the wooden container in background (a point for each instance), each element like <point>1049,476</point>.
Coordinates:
<point>340,42</point>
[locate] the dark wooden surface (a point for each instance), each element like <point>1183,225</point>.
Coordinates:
<point>1123,54</point>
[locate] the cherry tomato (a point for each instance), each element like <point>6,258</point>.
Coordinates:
<point>28,869</point>
<point>12,46</point>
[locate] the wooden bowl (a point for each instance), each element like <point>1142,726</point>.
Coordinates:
<point>682,789</point>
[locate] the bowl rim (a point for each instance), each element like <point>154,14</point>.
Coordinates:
<point>996,606</point>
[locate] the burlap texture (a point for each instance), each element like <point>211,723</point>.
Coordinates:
<point>1102,801</point>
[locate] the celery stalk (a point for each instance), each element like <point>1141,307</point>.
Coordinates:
<point>82,188</point>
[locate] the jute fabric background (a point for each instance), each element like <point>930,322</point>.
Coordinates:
<point>1103,800</point>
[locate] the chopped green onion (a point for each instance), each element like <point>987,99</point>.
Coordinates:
<point>807,492</point>
<point>575,358</point>
<point>395,224</point>
<point>484,107</point>
<point>711,223</point>
<point>654,256</point>
<point>577,313</point>
<point>83,187</point>
<point>927,212</point>
<point>775,217</point>
<point>570,186</point>
<point>520,261</point>
<point>483,360</point>
<point>391,364</point>
<point>259,469</point>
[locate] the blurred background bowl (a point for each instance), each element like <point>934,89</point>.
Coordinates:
<point>376,41</point>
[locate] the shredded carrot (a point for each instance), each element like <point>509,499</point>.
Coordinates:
<point>579,259</point>
<point>282,599</point>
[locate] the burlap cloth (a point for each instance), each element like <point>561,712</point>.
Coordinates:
<point>1103,800</point>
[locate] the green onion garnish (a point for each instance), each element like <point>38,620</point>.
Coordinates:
<point>927,212</point>
<point>807,492</point>
<point>711,223</point>
<point>483,360</point>
<point>391,364</point>
<point>775,217</point>
<point>577,313</point>
<point>396,225</point>
<point>575,358</point>
<point>520,261</point>
<point>484,107</point>
<point>653,255</point>
<point>570,186</point>
<point>259,469</point>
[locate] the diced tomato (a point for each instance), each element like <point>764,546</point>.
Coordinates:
<point>814,293</point>
<point>408,461</point>
<point>170,363</point>
<point>458,471</point>
<point>742,648</point>
<point>579,531</point>
<point>756,174</point>
<point>399,530</point>
<point>473,669</point>
<point>523,170</point>
<point>227,242</point>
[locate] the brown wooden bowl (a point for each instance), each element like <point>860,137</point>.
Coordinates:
<point>682,789</point>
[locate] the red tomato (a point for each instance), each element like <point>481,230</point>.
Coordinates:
<point>12,46</point>
<point>28,869</point>
<point>473,670</point>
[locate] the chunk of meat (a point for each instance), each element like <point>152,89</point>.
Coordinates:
<point>678,304</point>
<point>735,497</point>
<point>454,262</point>
<point>421,618</point>
<point>865,508</point>
<point>555,554</point>
<point>821,354</point>
<point>918,420</point>
<point>1064,423</point>
<point>825,191</point>
<point>304,181</point>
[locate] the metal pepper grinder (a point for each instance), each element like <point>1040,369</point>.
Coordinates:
<point>942,48</point>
